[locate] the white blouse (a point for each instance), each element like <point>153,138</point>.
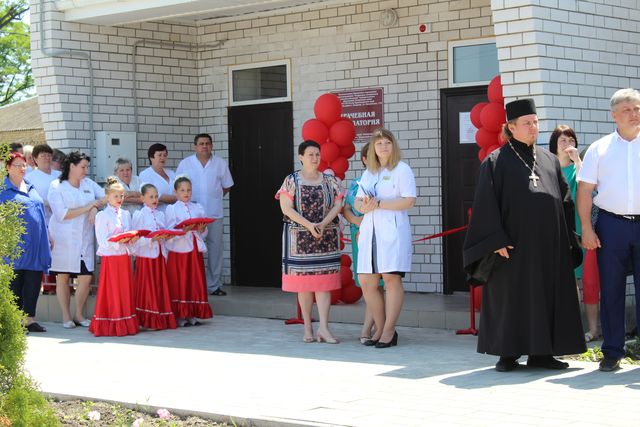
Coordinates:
<point>149,176</point>
<point>72,238</point>
<point>392,228</point>
<point>175,214</point>
<point>41,181</point>
<point>109,222</point>
<point>153,220</point>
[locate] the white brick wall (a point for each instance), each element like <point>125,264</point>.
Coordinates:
<point>183,91</point>
<point>574,54</point>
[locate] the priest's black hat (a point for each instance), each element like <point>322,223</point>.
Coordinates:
<point>521,107</point>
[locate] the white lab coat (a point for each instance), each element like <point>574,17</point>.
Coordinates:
<point>152,220</point>
<point>392,228</point>
<point>110,222</point>
<point>72,238</point>
<point>41,181</point>
<point>175,214</point>
<point>149,176</point>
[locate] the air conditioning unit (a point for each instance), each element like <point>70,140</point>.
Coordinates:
<point>111,146</point>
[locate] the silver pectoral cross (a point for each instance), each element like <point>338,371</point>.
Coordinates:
<point>533,177</point>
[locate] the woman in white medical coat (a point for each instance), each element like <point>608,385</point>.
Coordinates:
<point>74,200</point>
<point>387,192</point>
<point>162,178</point>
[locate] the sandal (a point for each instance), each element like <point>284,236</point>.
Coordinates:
<point>589,337</point>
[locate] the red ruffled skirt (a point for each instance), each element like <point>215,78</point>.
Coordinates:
<point>153,301</point>
<point>188,285</point>
<point>115,313</point>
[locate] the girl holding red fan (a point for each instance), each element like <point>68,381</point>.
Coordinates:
<point>152,298</point>
<point>115,313</point>
<point>185,264</point>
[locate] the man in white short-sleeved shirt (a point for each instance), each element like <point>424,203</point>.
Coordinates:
<point>612,165</point>
<point>210,180</point>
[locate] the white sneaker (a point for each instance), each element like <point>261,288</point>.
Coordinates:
<point>68,325</point>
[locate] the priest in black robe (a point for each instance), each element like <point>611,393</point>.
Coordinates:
<point>521,245</point>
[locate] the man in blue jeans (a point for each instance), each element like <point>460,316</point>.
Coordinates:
<point>612,164</point>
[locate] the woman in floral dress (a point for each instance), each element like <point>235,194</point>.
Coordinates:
<point>311,239</point>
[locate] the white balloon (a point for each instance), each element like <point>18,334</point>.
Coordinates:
<point>329,171</point>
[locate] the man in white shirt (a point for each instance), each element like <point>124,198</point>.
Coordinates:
<point>612,164</point>
<point>211,180</point>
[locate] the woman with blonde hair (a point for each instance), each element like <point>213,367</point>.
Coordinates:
<point>387,192</point>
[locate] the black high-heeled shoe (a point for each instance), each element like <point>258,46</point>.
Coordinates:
<point>370,342</point>
<point>392,343</point>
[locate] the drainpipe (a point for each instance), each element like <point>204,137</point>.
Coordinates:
<point>52,52</point>
<point>158,43</point>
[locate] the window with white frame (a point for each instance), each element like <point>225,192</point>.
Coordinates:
<point>260,83</point>
<point>472,62</point>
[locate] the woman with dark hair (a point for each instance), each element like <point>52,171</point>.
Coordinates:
<point>43,175</point>
<point>161,177</point>
<point>74,201</point>
<point>564,144</point>
<point>387,192</point>
<point>35,257</point>
<point>310,201</point>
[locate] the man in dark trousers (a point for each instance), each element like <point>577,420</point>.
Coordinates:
<point>519,244</point>
<point>613,166</point>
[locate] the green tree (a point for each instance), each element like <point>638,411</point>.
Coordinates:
<point>16,79</point>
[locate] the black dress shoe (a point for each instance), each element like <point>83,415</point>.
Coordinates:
<point>34,327</point>
<point>546,362</point>
<point>393,342</point>
<point>370,343</point>
<point>609,364</point>
<point>506,364</point>
<point>218,293</point>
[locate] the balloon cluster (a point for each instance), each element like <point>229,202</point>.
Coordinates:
<point>489,117</point>
<point>349,293</point>
<point>334,133</point>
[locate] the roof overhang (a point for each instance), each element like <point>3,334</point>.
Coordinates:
<point>118,12</point>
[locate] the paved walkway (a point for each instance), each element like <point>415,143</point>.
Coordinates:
<point>259,371</point>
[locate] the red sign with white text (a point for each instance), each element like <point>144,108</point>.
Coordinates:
<point>365,107</point>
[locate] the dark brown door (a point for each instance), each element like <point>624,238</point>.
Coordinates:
<point>260,157</point>
<point>459,173</point>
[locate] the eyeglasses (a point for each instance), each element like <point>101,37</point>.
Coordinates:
<point>19,165</point>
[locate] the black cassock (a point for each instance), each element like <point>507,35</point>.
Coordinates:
<point>529,301</point>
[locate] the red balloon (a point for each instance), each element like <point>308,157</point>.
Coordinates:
<point>492,148</point>
<point>328,108</point>
<point>347,151</point>
<point>486,139</point>
<point>341,244</point>
<point>342,132</point>
<point>475,114</point>
<point>329,152</point>
<point>335,296</point>
<point>323,165</point>
<point>351,294</point>
<point>340,165</point>
<point>494,91</point>
<point>346,275</point>
<point>501,139</point>
<point>341,176</point>
<point>482,153</point>
<point>493,116</point>
<point>315,130</point>
<point>345,260</point>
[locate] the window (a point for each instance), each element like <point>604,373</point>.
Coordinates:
<point>260,83</point>
<point>472,62</point>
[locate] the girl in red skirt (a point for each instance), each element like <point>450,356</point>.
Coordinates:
<point>185,264</point>
<point>153,301</point>
<point>115,313</point>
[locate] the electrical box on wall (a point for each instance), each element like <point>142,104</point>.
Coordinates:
<point>111,146</point>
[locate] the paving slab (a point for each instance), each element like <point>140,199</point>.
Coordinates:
<point>259,372</point>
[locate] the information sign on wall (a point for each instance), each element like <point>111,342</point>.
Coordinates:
<point>366,108</point>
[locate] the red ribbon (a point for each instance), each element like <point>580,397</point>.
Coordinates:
<point>433,236</point>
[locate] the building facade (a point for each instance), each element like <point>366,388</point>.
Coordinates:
<point>162,71</point>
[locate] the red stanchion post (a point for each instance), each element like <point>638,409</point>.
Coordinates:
<point>295,320</point>
<point>471,330</point>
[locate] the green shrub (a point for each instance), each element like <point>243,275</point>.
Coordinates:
<point>21,404</point>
